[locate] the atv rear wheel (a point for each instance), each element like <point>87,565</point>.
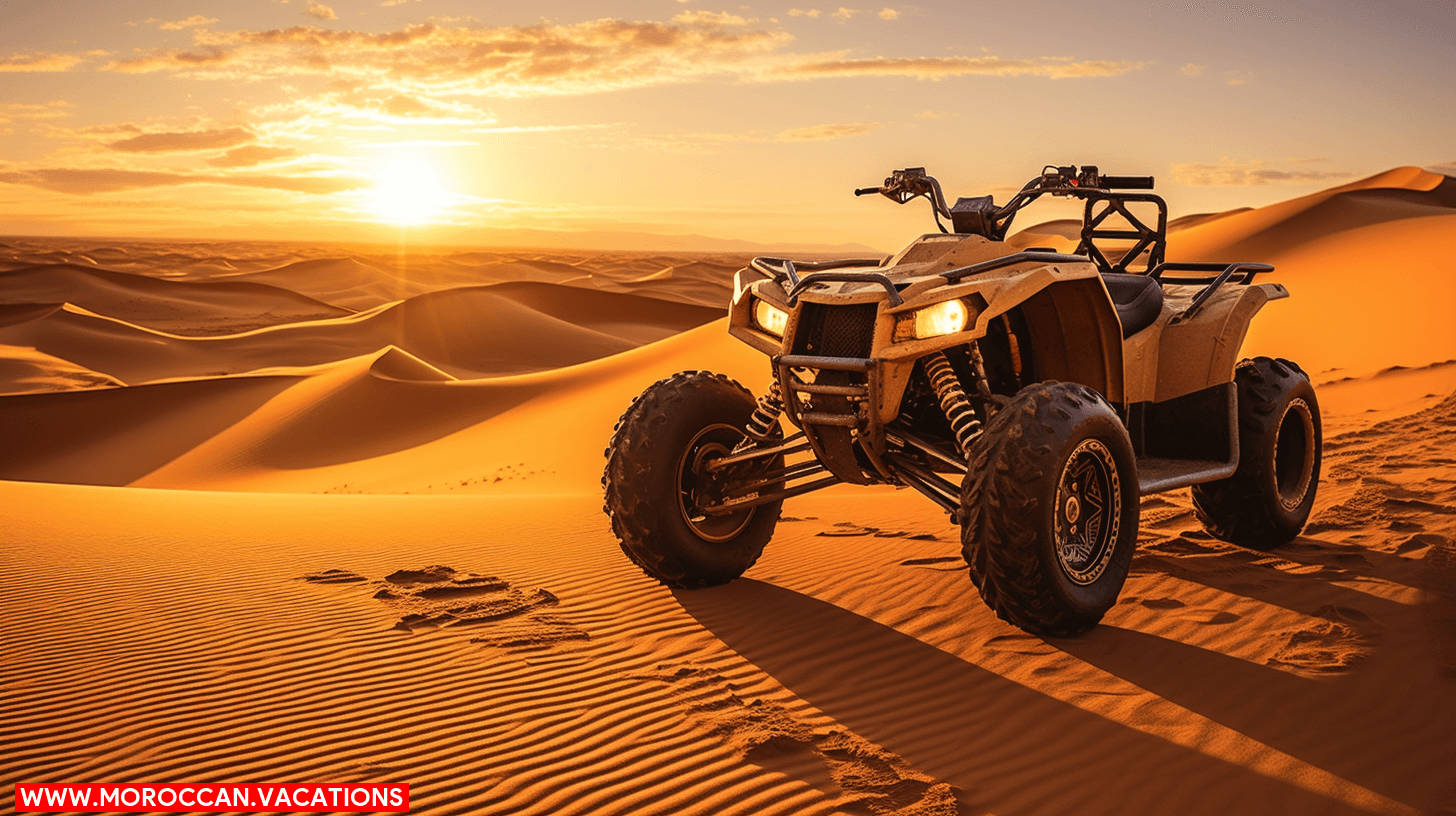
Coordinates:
<point>656,480</point>
<point>1049,509</point>
<point>1268,499</point>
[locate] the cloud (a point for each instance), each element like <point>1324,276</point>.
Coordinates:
<point>320,11</point>
<point>56,109</point>
<point>249,155</point>
<point>810,13</point>
<point>38,63</point>
<point>388,3</point>
<point>582,57</point>
<point>930,115</point>
<point>844,14</point>
<point>888,14</point>
<point>1240,77</point>
<point>83,181</point>
<point>1192,69</point>
<point>370,109</point>
<point>183,141</point>
<point>816,133</point>
<point>445,60</point>
<point>939,67</point>
<point>712,18</point>
<point>1230,173</point>
<point>179,25</point>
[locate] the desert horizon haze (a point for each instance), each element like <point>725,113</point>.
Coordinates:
<point>315,318</point>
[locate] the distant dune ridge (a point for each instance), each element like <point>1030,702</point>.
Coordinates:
<point>182,601</point>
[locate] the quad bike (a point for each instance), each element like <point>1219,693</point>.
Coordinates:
<point>1034,395</point>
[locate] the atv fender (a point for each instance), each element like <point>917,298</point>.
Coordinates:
<point>1075,334</point>
<point>1199,352</point>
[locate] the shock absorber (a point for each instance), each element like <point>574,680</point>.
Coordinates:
<point>766,416</point>
<point>979,365</point>
<point>953,400</point>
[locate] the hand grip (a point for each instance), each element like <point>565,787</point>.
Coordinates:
<point>867,190</point>
<point>1128,182</point>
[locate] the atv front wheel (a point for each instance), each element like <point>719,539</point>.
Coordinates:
<point>1267,500</point>
<point>657,481</point>
<point>1049,509</point>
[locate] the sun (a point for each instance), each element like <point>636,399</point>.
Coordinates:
<point>408,191</point>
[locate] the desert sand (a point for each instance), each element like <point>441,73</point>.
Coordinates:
<point>279,512</point>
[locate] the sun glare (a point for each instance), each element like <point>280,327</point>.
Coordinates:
<point>408,191</point>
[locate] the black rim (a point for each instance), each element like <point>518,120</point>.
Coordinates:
<point>696,487</point>
<point>1294,454</point>
<point>1088,512</point>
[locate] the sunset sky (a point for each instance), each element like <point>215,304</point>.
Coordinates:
<point>345,119</point>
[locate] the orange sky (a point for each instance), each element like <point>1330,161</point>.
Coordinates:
<point>342,120</point>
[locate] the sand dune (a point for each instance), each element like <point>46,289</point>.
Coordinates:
<point>1278,229</point>
<point>25,370</point>
<point>490,645</point>
<point>467,331</point>
<point>205,308</point>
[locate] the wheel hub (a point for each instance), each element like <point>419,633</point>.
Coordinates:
<point>698,487</point>
<point>1088,512</point>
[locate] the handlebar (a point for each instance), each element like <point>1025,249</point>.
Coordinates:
<point>1084,182</point>
<point>1128,182</point>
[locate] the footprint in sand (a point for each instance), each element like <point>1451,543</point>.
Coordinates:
<point>848,529</point>
<point>334,576</point>
<point>863,777</point>
<point>438,597</point>
<point>1329,643</point>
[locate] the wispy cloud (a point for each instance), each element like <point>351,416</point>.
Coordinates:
<point>179,25</point>
<point>1192,69</point>
<point>1231,173</point>
<point>39,63</point>
<point>320,11</point>
<point>56,109</point>
<point>443,60</point>
<point>712,18</point>
<point>82,181</point>
<point>888,14</point>
<point>251,155</point>
<point>179,141</point>
<point>816,133</point>
<point>939,67</point>
<point>510,61</point>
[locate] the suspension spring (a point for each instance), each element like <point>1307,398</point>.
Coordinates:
<point>765,419</point>
<point>953,400</point>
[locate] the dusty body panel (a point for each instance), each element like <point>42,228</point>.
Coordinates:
<point>1201,352</point>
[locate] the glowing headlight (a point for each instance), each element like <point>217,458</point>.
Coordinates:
<point>947,317</point>
<point>770,318</point>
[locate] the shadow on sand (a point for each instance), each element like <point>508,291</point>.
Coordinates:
<point>1011,750</point>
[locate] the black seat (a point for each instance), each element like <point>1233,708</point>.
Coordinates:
<point>1138,298</point>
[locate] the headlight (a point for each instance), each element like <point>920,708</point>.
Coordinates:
<point>770,318</point>
<point>946,317</point>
